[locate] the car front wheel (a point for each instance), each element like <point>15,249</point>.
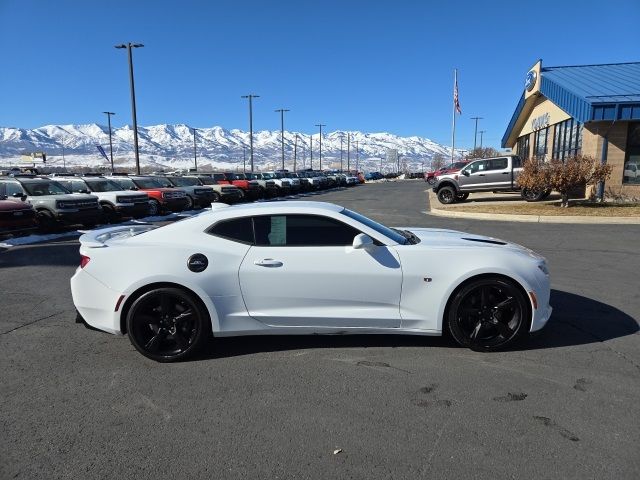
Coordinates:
<point>168,324</point>
<point>154,207</point>
<point>488,314</point>
<point>447,195</point>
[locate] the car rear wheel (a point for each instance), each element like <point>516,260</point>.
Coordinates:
<point>533,195</point>
<point>168,324</point>
<point>488,314</point>
<point>447,195</point>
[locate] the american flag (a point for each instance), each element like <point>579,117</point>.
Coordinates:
<point>456,100</point>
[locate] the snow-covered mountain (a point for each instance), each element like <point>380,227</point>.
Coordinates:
<point>172,146</point>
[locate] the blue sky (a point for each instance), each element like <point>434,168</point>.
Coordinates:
<point>351,64</point>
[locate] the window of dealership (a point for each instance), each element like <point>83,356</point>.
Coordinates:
<point>591,110</point>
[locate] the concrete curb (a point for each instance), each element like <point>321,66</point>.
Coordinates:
<point>506,217</point>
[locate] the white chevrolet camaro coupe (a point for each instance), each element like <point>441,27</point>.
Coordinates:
<point>304,268</point>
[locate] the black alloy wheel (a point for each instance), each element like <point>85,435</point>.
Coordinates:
<point>488,314</point>
<point>461,197</point>
<point>533,195</point>
<point>154,207</point>
<point>167,324</point>
<point>216,197</point>
<point>447,195</point>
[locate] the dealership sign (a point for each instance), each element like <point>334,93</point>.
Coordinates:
<point>530,81</point>
<point>540,122</point>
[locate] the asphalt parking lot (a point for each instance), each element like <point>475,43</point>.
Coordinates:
<point>78,403</point>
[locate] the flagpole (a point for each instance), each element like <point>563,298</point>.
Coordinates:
<point>453,126</point>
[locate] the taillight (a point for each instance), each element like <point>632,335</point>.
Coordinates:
<point>84,260</point>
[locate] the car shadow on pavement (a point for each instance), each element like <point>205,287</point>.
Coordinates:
<point>61,252</point>
<point>576,320</point>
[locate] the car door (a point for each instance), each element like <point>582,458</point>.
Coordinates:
<point>498,174</point>
<point>303,272</point>
<point>476,178</point>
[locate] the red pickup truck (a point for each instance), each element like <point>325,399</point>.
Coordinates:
<point>430,177</point>
<point>250,188</point>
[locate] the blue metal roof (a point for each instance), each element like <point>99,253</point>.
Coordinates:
<point>590,92</point>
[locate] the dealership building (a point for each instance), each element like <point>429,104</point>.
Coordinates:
<point>591,110</point>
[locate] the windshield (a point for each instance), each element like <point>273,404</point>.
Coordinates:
<point>126,183</point>
<point>149,183</point>
<point>207,181</point>
<point>251,176</point>
<point>386,231</point>
<point>103,185</point>
<point>268,176</point>
<point>183,182</point>
<point>38,189</point>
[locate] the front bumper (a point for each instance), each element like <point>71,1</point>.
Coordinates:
<point>133,210</point>
<point>93,215</point>
<point>174,204</point>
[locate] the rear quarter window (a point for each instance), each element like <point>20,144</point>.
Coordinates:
<point>236,229</point>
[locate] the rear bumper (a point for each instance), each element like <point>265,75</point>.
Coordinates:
<point>95,302</point>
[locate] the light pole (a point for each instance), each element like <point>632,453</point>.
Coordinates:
<point>295,152</point>
<point>64,162</point>
<point>129,46</point>
<point>110,143</point>
<point>244,159</point>
<point>357,157</point>
<point>348,151</point>
<point>320,125</point>
<point>475,133</point>
<point>281,111</point>
<point>195,156</point>
<point>341,142</point>
<point>481,132</point>
<point>251,97</point>
<point>311,151</point>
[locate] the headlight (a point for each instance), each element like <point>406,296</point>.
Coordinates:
<point>543,268</point>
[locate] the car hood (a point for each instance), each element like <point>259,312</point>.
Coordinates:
<point>64,197</point>
<point>437,237</point>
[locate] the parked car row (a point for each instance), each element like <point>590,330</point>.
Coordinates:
<point>31,201</point>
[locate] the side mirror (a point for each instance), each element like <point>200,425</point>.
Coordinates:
<point>466,173</point>
<point>18,195</point>
<point>362,241</point>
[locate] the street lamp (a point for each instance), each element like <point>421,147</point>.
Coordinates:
<point>320,125</point>
<point>481,132</point>
<point>475,133</point>
<point>129,46</point>
<point>244,159</point>
<point>251,97</point>
<point>348,151</point>
<point>195,156</point>
<point>281,111</point>
<point>110,143</point>
<point>295,152</point>
<point>341,144</point>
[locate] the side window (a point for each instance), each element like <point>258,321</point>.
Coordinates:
<point>498,164</point>
<point>516,162</point>
<point>302,231</point>
<point>12,188</point>
<point>237,229</point>
<point>478,167</point>
<point>77,186</point>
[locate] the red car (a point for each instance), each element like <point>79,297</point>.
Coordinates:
<point>250,188</point>
<point>430,177</point>
<point>162,199</point>
<point>16,215</point>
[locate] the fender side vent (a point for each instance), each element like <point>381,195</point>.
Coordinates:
<point>482,240</point>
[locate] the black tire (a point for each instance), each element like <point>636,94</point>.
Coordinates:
<point>46,221</point>
<point>447,195</point>
<point>168,324</point>
<point>431,180</point>
<point>531,195</point>
<point>488,314</point>
<point>216,198</point>
<point>461,197</point>
<point>154,208</point>
<point>546,195</point>
<point>190,203</point>
<point>110,214</point>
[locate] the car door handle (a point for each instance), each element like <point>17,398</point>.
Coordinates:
<point>481,175</point>
<point>506,173</point>
<point>268,262</point>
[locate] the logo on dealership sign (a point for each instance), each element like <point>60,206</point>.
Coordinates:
<point>530,81</point>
